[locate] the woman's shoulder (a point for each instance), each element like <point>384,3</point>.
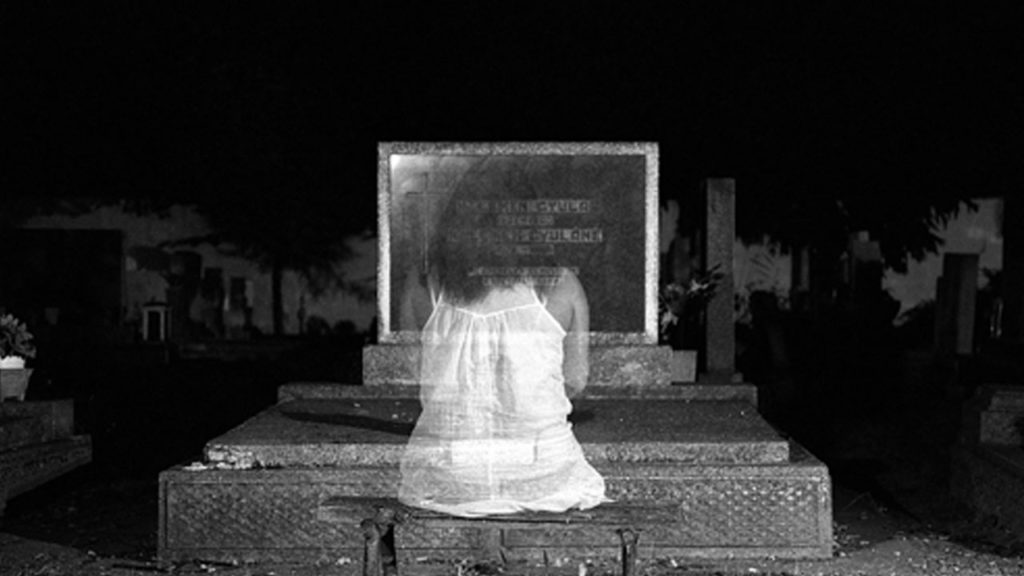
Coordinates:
<point>564,284</point>
<point>564,289</point>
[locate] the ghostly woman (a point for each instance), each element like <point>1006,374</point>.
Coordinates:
<point>504,339</point>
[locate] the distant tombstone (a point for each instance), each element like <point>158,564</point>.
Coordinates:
<point>956,296</point>
<point>591,208</point>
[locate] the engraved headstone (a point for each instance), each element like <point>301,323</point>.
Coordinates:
<point>588,207</point>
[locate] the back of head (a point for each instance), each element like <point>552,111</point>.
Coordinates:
<point>478,248</point>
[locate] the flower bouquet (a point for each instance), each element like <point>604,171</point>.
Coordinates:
<point>684,302</point>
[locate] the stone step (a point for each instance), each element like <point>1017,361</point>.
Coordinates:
<point>291,514</point>
<point>374,431</point>
<point>610,364</point>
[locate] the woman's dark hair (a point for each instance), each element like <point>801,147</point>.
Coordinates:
<point>473,252</point>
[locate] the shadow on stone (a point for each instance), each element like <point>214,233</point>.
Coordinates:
<point>353,421</point>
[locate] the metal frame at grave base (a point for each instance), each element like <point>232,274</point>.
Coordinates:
<point>380,527</point>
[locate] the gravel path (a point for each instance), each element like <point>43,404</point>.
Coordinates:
<point>899,555</point>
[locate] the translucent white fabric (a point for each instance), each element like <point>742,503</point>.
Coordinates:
<point>493,436</point>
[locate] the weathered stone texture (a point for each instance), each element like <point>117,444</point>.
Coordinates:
<point>33,422</point>
<point>689,392</point>
<point>610,365</point>
<point>723,482</point>
<point>995,416</point>
<point>372,431</point>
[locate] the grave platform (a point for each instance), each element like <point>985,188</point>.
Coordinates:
<point>287,485</point>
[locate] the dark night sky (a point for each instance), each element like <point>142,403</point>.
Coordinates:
<point>138,100</point>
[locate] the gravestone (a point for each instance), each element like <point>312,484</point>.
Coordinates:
<point>301,481</point>
<point>593,209</point>
<point>956,296</point>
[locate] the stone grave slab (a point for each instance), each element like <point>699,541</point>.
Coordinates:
<point>371,431</point>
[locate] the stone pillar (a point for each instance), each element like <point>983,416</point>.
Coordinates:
<point>720,233</point>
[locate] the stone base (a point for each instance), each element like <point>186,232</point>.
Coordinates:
<point>610,365</point>
<point>283,515</point>
<point>726,484</point>
<point>990,480</point>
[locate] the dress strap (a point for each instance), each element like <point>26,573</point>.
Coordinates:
<point>542,300</point>
<point>435,292</point>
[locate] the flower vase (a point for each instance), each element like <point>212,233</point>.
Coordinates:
<point>13,383</point>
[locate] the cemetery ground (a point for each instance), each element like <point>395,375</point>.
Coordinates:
<point>885,437</point>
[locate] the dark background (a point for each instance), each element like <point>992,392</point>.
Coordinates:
<point>152,100</point>
<point>831,118</point>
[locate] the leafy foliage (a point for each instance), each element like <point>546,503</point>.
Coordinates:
<point>15,339</point>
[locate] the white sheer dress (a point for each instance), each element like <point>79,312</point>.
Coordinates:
<point>493,436</point>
